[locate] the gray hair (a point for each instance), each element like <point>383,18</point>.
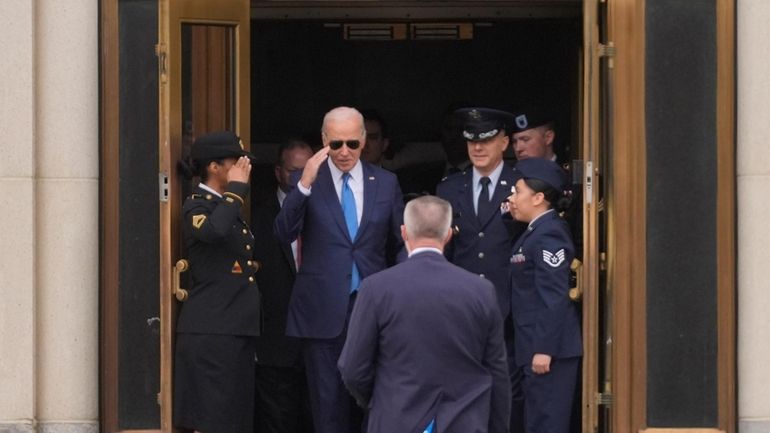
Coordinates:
<point>343,113</point>
<point>428,217</point>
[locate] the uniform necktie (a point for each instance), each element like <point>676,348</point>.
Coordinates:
<point>484,204</point>
<point>351,220</point>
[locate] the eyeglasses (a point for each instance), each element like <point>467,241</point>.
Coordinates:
<point>351,144</point>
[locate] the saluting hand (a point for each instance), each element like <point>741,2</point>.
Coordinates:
<point>541,364</point>
<point>310,173</point>
<point>240,171</point>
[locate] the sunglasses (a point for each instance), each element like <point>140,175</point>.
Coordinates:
<point>351,144</point>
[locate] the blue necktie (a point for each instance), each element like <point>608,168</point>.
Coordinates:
<point>430,427</point>
<point>351,220</point>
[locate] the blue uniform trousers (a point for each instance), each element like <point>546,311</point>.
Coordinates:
<point>548,397</point>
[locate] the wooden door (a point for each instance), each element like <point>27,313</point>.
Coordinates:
<point>204,87</point>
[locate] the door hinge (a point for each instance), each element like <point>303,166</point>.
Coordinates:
<point>604,399</point>
<point>608,50</point>
<point>163,186</point>
<point>158,400</point>
<point>160,51</point>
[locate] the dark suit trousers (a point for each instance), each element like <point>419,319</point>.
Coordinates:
<point>333,408</point>
<point>548,397</point>
<point>281,402</point>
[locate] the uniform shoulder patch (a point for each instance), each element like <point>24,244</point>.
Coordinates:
<point>198,220</point>
<point>554,259</point>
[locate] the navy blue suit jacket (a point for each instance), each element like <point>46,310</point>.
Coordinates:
<point>319,301</point>
<point>545,319</point>
<point>425,341</point>
<point>493,237</point>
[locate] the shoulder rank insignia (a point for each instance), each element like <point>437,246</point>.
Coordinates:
<point>237,268</point>
<point>554,259</point>
<point>198,220</point>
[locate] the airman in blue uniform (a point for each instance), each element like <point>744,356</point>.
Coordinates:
<point>547,332</point>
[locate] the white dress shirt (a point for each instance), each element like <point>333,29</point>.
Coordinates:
<point>209,189</point>
<point>425,250</point>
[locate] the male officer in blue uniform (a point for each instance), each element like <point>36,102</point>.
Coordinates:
<point>483,239</point>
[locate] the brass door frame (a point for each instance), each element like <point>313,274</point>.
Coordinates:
<point>591,253</point>
<point>172,14</point>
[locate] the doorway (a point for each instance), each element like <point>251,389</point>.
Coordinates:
<point>303,61</point>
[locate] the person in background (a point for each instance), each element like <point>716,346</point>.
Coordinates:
<point>281,389</point>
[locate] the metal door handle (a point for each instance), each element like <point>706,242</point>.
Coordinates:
<point>576,293</point>
<point>182,265</point>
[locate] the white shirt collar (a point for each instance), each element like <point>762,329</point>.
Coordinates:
<point>538,217</point>
<point>280,195</point>
<point>493,177</point>
<point>356,173</point>
<point>209,189</point>
<point>425,250</point>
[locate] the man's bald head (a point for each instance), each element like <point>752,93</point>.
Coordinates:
<point>343,114</point>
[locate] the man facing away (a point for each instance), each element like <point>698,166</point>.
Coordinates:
<point>346,214</point>
<point>425,350</point>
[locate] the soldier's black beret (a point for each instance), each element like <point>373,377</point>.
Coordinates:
<point>481,124</point>
<point>216,145</point>
<point>529,118</point>
<point>542,169</point>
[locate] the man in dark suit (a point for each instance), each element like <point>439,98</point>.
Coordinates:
<point>483,240</point>
<point>280,377</point>
<point>347,214</point>
<point>425,348</point>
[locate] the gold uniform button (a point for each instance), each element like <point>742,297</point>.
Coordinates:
<point>251,279</point>
<point>481,255</point>
<point>244,231</point>
<point>250,263</point>
<point>481,234</point>
<point>248,247</point>
<point>209,196</point>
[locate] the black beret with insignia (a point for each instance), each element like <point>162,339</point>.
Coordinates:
<point>479,124</point>
<point>528,119</point>
<point>542,169</point>
<point>216,145</point>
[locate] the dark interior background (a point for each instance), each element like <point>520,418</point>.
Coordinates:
<point>302,69</point>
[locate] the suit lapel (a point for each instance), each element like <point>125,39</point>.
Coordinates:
<point>275,207</point>
<point>325,186</point>
<point>371,185</point>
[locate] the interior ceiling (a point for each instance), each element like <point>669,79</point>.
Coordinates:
<point>412,10</point>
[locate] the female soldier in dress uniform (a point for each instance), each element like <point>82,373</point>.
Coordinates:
<point>547,334</point>
<point>215,347</point>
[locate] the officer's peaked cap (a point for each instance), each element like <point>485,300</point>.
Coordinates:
<point>481,124</point>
